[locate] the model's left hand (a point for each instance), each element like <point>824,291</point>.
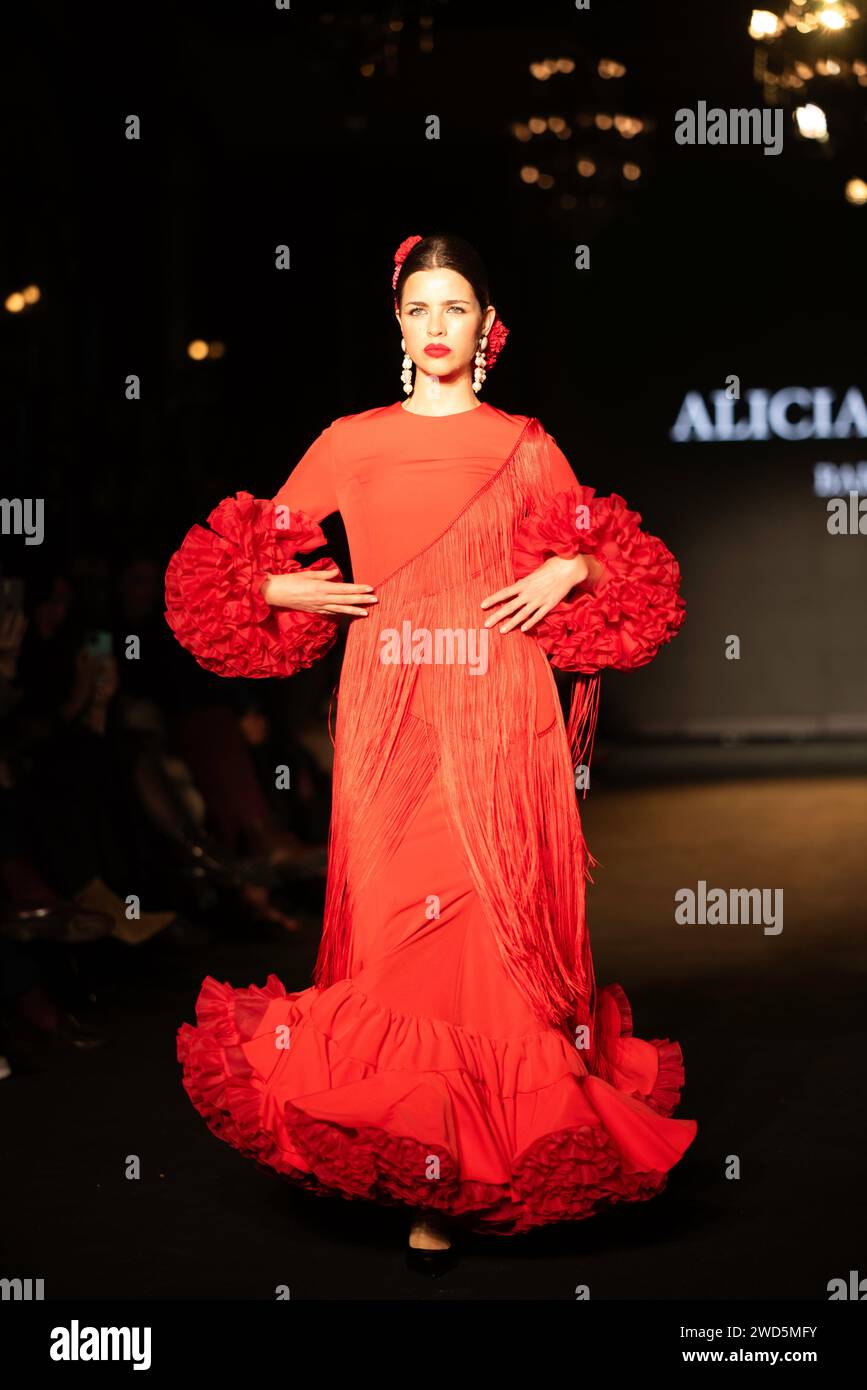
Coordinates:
<point>530,598</point>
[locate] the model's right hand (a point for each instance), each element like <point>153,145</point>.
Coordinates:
<point>315,591</point>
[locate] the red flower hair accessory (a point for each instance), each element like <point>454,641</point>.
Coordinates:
<point>498,333</point>
<point>400,256</point>
<point>496,342</point>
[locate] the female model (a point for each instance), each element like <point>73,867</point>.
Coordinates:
<point>452,1054</point>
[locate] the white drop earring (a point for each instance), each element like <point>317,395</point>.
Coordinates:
<point>479,374</point>
<point>406,373</point>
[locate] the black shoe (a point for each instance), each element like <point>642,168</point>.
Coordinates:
<point>431,1263</point>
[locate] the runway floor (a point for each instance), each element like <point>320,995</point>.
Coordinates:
<point>772,1030</point>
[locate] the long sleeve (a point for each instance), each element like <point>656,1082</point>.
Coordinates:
<point>310,486</point>
<point>622,617</point>
<point>214,603</point>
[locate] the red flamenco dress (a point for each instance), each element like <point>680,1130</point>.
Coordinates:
<point>452,1052</point>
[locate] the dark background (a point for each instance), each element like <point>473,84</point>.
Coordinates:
<point>258,130</point>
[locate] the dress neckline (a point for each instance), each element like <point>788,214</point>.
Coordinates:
<point>398,405</point>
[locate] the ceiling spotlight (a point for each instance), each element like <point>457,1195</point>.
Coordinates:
<point>811,122</point>
<point>765,25</point>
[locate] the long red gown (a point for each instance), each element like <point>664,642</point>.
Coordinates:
<point>453,1052</point>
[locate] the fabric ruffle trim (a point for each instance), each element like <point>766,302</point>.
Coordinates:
<point>349,1098</point>
<point>213,600</point>
<point>624,617</point>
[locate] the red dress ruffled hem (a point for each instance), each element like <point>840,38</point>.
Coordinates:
<point>347,1097</point>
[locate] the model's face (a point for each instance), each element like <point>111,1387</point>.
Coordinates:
<point>440,309</point>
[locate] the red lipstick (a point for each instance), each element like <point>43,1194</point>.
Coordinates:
<point>436,350</point>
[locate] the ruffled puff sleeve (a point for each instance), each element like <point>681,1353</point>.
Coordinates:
<point>213,601</point>
<point>622,618</point>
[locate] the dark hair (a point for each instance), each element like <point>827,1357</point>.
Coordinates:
<point>441,252</point>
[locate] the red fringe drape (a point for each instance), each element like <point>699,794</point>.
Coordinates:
<point>510,790</point>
